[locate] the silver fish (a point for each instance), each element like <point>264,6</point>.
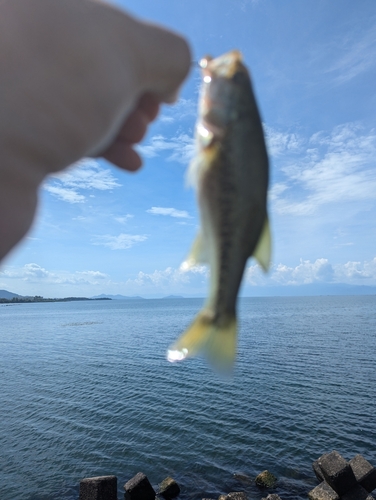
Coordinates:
<point>230,174</point>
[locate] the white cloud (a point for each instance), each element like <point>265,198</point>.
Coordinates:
<point>305,272</point>
<point>279,142</point>
<point>357,56</point>
<point>120,242</point>
<point>332,168</point>
<point>182,109</point>
<point>65,194</point>
<point>35,274</point>
<point>180,147</point>
<point>318,271</point>
<point>171,280</point>
<point>354,271</point>
<point>123,219</point>
<point>87,174</point>
<point>166,119</point>
<point>172,212</point>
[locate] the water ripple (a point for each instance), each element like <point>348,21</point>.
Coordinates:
<point>85,390</point>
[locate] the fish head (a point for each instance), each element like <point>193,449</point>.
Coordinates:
<point>225,82</point>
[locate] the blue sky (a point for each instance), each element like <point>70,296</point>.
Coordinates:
<point>313,65</point>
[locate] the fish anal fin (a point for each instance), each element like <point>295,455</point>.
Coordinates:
<point>263,250</point>
<point>216,341</point>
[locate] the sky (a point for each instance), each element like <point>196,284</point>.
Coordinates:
<point>313,67</point>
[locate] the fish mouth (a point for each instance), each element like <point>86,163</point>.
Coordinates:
<point>225,66</point>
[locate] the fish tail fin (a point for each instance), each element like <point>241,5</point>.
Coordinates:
<point>217,341</point>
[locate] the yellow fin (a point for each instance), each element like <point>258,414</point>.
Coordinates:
<point>217,343</point>
<point>198,253</point>
<point>263,248</point>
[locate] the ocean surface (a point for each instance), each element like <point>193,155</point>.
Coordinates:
<point>85,390</point>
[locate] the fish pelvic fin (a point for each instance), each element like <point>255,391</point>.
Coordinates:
<point>198,254</point>
<point>263,250</point>
<point>217,341</point>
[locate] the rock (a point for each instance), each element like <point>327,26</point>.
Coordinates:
<point>364,472</point>
<point>169,488</point>
<point>337,472</point>
<point>139,488</point>
<point>98,488</point>
<point>242,478</point>
<point>357,493</point>
<point>272,496</point>
<point>266,479</point>
<point>323,492</point>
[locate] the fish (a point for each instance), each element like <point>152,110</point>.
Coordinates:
<point>230,172</point>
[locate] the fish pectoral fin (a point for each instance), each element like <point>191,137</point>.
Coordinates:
<point>198,253</point>
<point>263,250</point>
<point>216,342</point>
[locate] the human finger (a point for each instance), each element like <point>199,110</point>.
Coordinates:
<point>123,156</point>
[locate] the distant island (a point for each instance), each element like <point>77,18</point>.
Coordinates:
<point>38,298</point>
<point>118,297</point>
<point>13,298</point>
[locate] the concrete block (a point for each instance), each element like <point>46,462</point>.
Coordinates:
<point>337,472</point>
<point>357,493</point>
<point>98,488</point>
<point>364,472</point>
<point>317,469</point>
<point>169,488</point>
<point>139,488</point>
<point>273,496</point>
<point>323,492</point>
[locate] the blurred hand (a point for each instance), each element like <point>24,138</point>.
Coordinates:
<point>77,78</point>
<point>121,152</point>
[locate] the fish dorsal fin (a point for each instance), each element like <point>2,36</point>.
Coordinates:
<point>198,253</point>
<point>263,250</point>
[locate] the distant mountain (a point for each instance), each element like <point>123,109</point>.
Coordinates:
<point>117,297</point>
<point>311,289</point>
<point>173,297</point>
<point>4,294</point>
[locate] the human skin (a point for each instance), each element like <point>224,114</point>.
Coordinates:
<point>77,78</point>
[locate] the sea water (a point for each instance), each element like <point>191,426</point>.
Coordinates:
<point>85,390</point>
